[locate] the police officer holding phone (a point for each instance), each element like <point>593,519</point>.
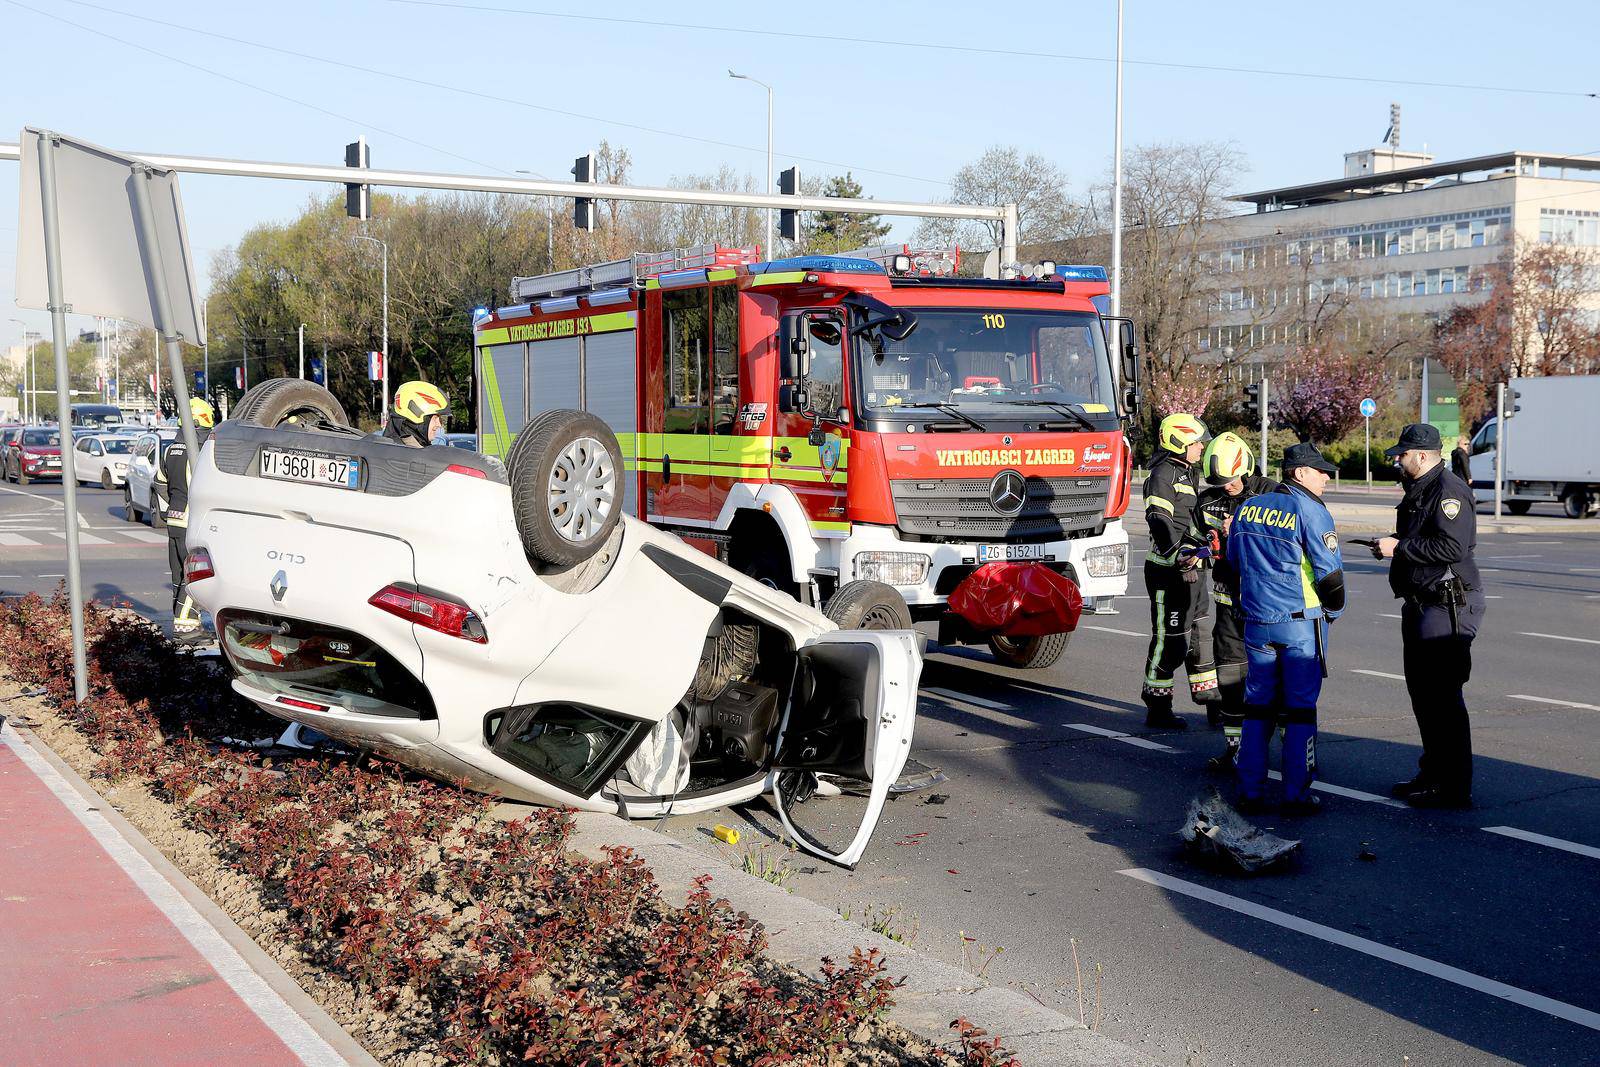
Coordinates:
<point>1435,576</point>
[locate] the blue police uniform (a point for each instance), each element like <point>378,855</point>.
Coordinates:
<point>1291,580</point>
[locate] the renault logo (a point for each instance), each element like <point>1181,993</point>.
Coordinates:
<point>278,587</point>
<point>1007,492</point>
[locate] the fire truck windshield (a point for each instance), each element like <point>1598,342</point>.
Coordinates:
<point>977,358</point>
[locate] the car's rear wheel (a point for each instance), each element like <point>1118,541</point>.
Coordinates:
<point>157,520</point>
<point>128,514</point>
<point>1030,653</point>
<point>863,605</point>
<point>1575,504</point>
<point>291,403</point>
<point>566,486</point>
<point>105,479</point>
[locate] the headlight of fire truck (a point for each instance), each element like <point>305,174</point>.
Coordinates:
<point>892,568</point>
<point>1106,561</point>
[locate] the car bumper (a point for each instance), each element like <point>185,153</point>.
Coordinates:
<point>1085,556</point>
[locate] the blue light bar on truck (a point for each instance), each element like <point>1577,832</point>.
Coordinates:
<point>1081,274</point>
<point>833,264</point>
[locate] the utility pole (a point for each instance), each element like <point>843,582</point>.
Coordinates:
<point>745,77</point>
<point>1499,447</point>
<point>1264,403</point>
<point>383,410</point>
<point>1116,194</point>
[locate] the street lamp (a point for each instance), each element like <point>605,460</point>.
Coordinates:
<point>30,377</point>
<point>768,189</point>
<point>1116,182</point>
<point>22,412</point>
<point>383,411</point>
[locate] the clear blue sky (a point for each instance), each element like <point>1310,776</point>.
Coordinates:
<point>882,110</point>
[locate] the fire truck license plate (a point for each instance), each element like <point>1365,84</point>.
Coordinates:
<point>343,472</point>
<point>989,553</point>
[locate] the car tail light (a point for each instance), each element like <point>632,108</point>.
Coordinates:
<point>471,472</point>
<point>433,610</point>
<point>197,565</point>
<point>306,704</point>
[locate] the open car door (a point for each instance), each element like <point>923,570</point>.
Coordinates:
<point>851,714</point>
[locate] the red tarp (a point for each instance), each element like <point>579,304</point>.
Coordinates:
<point>1018,600</point>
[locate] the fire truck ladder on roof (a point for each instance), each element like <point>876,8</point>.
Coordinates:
<point>623,273</point>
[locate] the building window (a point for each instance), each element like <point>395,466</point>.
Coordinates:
<point>1476,228</point>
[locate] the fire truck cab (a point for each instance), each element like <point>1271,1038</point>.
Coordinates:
<point>822,419</point>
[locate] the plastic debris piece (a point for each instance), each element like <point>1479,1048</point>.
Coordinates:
<point>936,798</point>
<point>725,834</point>
<point>1214,830</point>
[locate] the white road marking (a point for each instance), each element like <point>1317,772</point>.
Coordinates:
<point>83,538</point>
<point>250,987</point>
<point>1379,674</point>
<point>1552,700</point>
<point>1455,975</point>
<point>1544,542</point>
<point>52,575</point>
<point>1344,791</point>
<point>1387,615</point>
<point>1112,630</point>
<point>981,702</point>
<point>149,537</point>
<point>1560,637</point>
<point>1584,570</point>
<point>1493,596</point>
<point>17,540</point>
<point>1118,735</point>
<point>1530,556</point>
<point>1541,839</point>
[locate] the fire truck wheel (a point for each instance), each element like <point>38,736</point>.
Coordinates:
<point>566,486</point>
<point>290,403</point>
<point>868,606</point>
<point>1029,652</point>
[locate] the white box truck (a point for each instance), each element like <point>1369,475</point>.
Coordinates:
<point>1552,446</point>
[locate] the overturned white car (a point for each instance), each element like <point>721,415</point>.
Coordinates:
<point>513,630</point>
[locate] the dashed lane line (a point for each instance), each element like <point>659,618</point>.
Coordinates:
<point>1410,960</point>
<point>1346,792</point>
<point>982,702</point>
<point>1533,555</point>
<point>1118,735</point>
<point>1387,615</point>
<point>1378,674</point>
<point>1112,630</point>
<point>1561,637</point>
<point>1549,842</point>
<point>1552,700</point>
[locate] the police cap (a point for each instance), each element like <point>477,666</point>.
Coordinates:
<point>1305,454</point>
<point>1419,436</point>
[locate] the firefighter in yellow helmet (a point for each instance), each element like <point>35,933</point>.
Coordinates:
<point>419,415</point>
<point>172,490</point>
<point>1175,573</point>
<point>1228,469</point>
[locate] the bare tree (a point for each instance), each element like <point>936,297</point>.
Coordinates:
<point>1002,175</point>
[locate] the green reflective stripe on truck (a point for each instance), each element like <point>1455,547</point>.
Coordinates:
<point>497,442</point>
<point>493,337</point>
<point>787,277</point>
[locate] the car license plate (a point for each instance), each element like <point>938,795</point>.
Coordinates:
<point>990,553</point>
<point>342,472</point>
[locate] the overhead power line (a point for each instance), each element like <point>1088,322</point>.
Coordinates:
<point>492,97</point>
<point>978,50</point>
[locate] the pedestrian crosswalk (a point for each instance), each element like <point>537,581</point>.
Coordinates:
<point>97,537</point>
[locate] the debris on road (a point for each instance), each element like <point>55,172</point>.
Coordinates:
<point>936,798</point>
<point>1214,830</point>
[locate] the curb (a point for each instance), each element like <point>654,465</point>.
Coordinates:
<point>801,931</point>
<point>277,979</point>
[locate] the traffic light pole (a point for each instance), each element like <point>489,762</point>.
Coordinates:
<point>1264,425</point>
<point>1499,446</point>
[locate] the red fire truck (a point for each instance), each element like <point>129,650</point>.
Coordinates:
<point>822,419</point>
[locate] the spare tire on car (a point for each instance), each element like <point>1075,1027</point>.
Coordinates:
<point>864,605</point>
<point>566,486</point>
<point>290,403</point>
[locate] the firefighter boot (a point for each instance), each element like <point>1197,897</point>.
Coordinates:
<point>1158,709</point>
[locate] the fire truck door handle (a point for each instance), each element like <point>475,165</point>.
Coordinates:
<point>783,454</point>
<point>666,467</point>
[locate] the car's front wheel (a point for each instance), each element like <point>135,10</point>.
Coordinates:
<point>566,486</point>
<point>128,514</point>
<point>153,509</point>
<point>291,403</point>
<point>105,480</point>
<point>1031,653</point>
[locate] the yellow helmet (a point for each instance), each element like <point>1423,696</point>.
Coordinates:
<point>1227,457</point>
<point>1178,432</point>
<point>415,401</point>
<point>202,412</point>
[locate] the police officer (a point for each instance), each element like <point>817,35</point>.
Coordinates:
<point>1434,574</point>
<point>1175,574</point>
<point>419,415</point>
<point>1291,583</point>
<point>1228,470</point>
<point>172,486</point>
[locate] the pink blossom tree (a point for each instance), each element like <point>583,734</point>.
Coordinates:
<point>1321,393</point>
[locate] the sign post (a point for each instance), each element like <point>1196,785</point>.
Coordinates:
<point>1499,447</point>
<point>1369,408</point>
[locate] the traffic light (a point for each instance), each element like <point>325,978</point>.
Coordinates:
<point>1512,407</point>
<point>357,198</point>
<point>583,207</point>
<point>1252,401</point>
<point>789,221</point>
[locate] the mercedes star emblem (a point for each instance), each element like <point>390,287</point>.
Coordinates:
<point>1007,492</point>
<point>279,586</point>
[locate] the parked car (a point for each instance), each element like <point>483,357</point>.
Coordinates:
<point>9,432</point>
<point>34,453</point>
<point>97,416</point>
<point>139,489</point>
<point>468,441</point>
<point>515,631</point>
<point>103,458</point>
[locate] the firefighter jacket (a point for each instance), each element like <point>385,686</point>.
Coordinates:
<point>1170,495</point>
<point>1438,532</point>
<point>1286,553</point>
<point>172,478</point>
<point>1215,507</point>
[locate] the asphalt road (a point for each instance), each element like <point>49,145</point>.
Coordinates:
<point>1456,944</point>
